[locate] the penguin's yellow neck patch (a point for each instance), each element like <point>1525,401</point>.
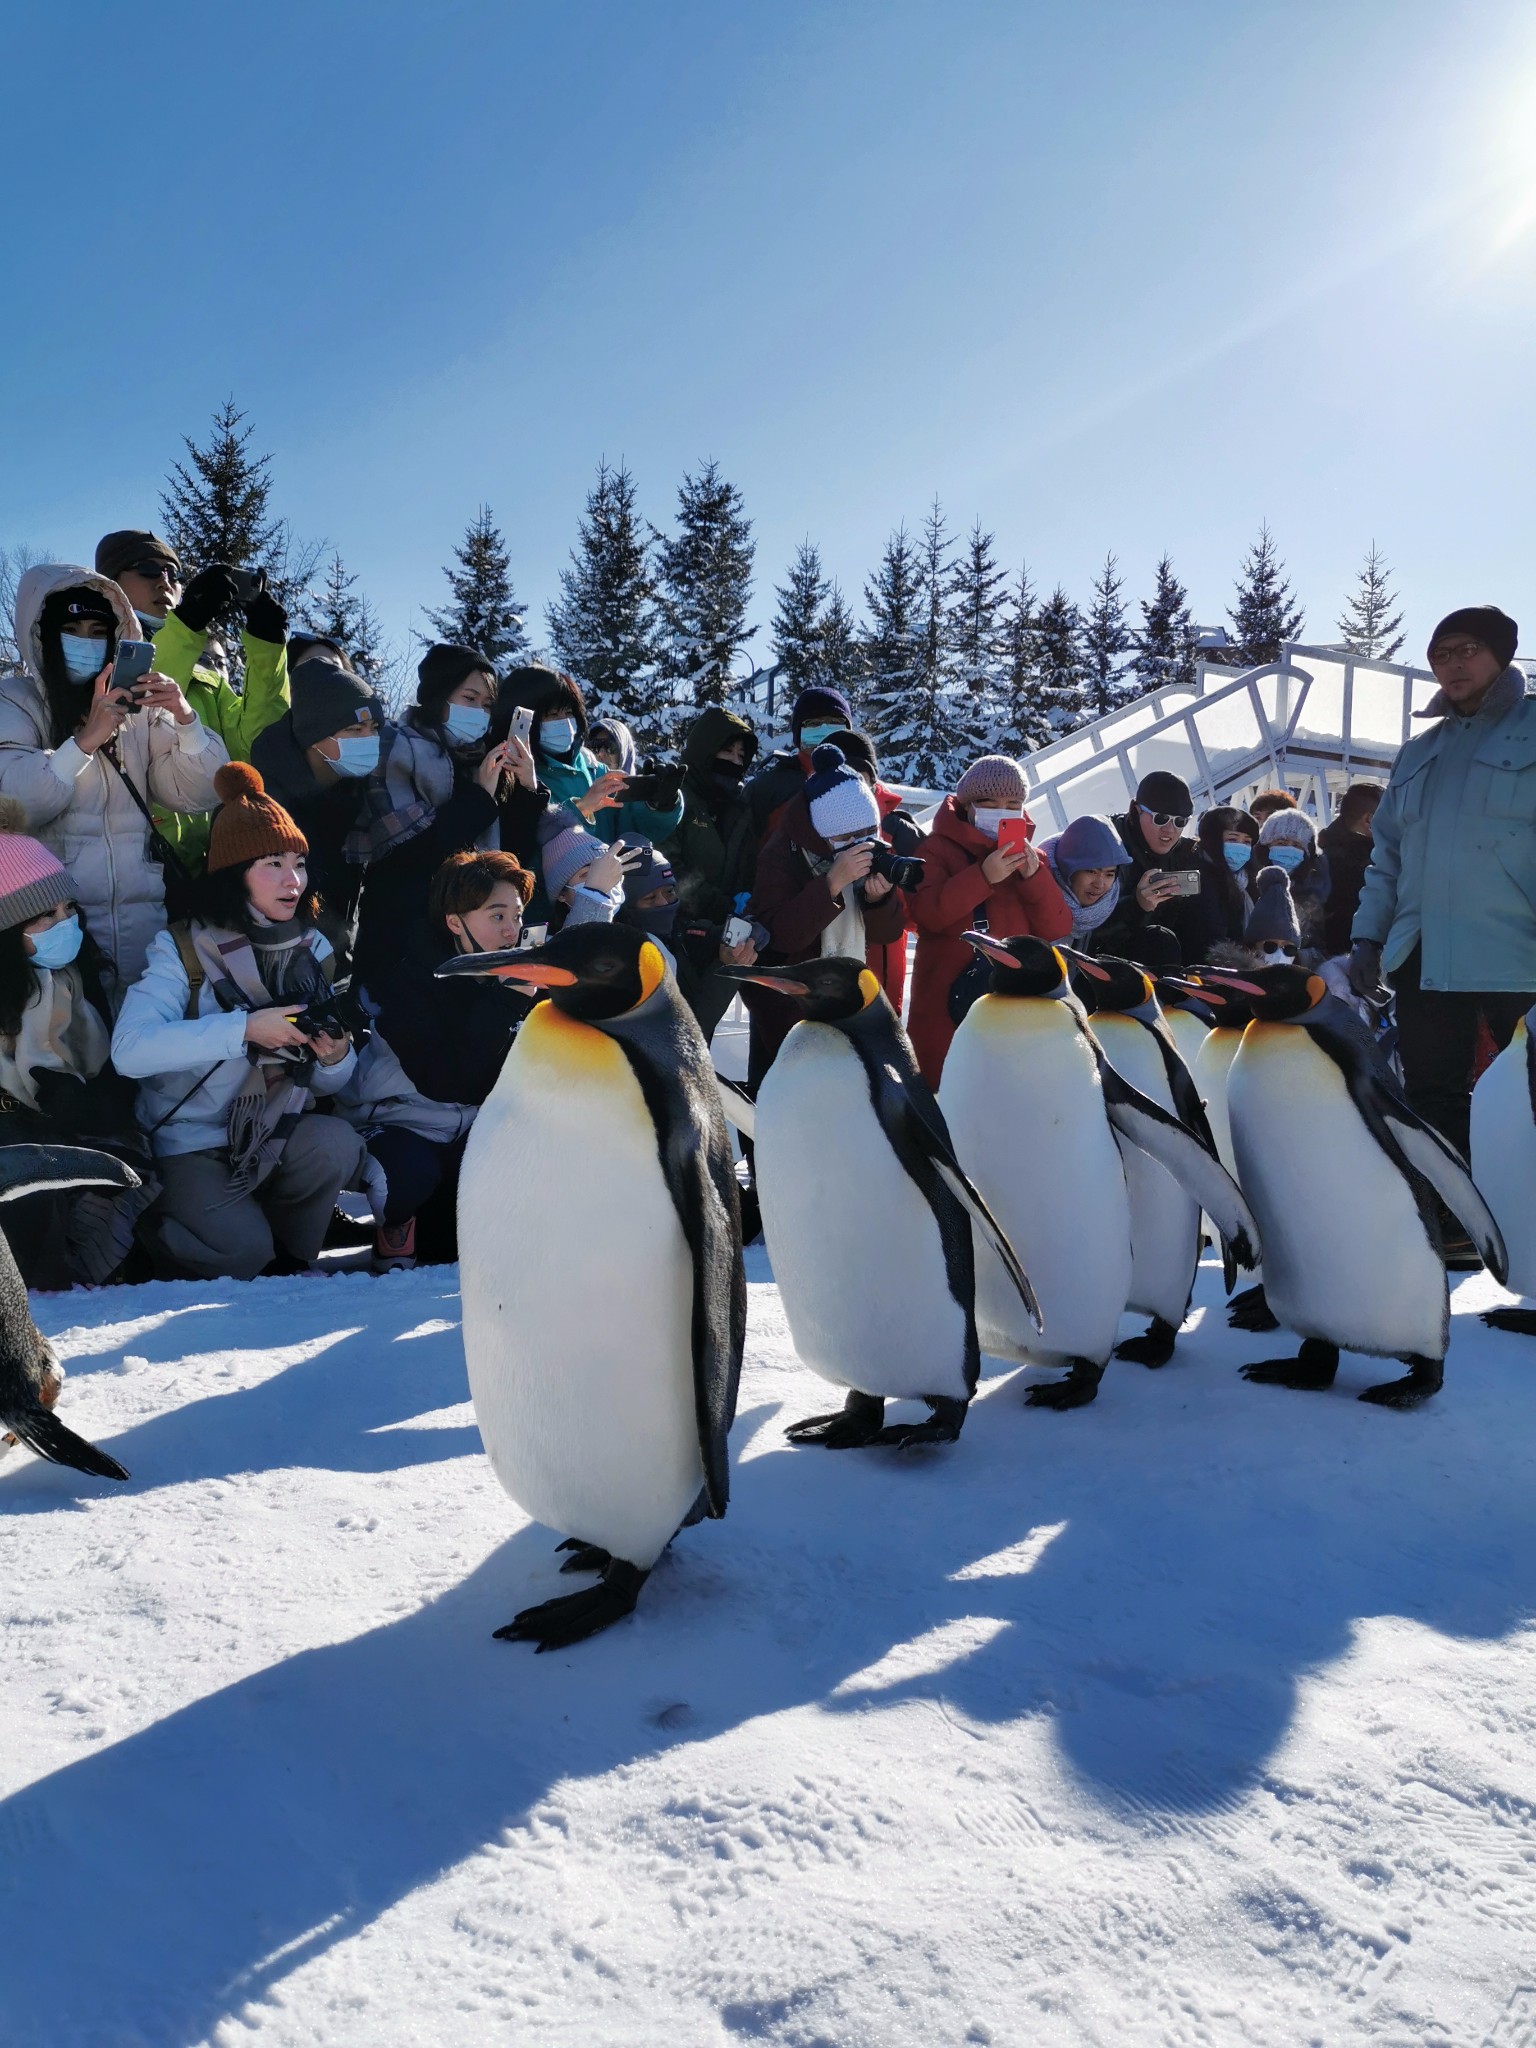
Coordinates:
<point>566,1046</point>
<point>869,987</point>
<point>653,971</point>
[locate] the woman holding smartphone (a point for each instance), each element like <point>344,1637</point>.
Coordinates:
<point>980,870</point>
<point>82,757</point>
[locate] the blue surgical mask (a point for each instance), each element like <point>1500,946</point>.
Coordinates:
<point>357,753</point>
<point>59,944</point>
<point>1287,857</point>
<point>557,736</point>
<point>467,723</point>
<point>84,660</point>
<point>1238,854</point>
<point>149,622</point>
<point>813,736</point>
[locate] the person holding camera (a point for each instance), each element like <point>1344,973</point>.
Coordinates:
<point>232,1033</point>
<point>825,885</point>
<point>148,572</point>
<point>979,871</point>
<point>87,759</point>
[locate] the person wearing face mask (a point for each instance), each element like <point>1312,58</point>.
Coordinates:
<point>714,849</point>
<point>178,620</point>
<point>695,946</point>
<point>220,1033</point>
<point>86,762</point>
<point>1272,936</point>
<point>1228,841</point>
<point>1288,840</point>
<point>970,880</point>
<point>818,715</point>
<point>435,1051</point>
<point>57,1084</point>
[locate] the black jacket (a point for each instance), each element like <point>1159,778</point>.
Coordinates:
<point>1121,933</point>
<point>451,1037</point>
<point>781,777</point>
<point>396,885</point>
<point>1348,855</point>
<point>714,849</point>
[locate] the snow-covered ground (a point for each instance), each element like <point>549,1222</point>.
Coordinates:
<point>1203,1715</point>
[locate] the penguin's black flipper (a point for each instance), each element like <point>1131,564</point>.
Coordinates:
<point>970,1199</point>
<point>29,1169</point>
<point>740,1109</point>
<point>41,1431</point>
<point>1140,1122</point>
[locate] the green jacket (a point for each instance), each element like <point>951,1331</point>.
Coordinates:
<point>237,717</point>
<point>714,849</point>
<point>1453,857</point>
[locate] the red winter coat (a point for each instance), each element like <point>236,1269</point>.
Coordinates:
<point>953,890</point>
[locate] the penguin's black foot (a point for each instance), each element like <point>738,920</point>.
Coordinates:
<point>1153,1348</point>
<point>1311,1371</point>
<point>1250,1310</point>
<point>1521,1321</point>
<point>1425,1376</point>
<point>945,1427</point>
<point>555,1623</point>
<point>1075,1391</point>
<point>856,1424</point>
<point>585,1557</point>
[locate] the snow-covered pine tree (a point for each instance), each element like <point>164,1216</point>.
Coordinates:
<point>932,741</point>
<point>1061,701</point>
<point>704,584</point>
<point>1265,615</point>
<point>1165,645</point>
<point>891,600</point>
<point>1369,626</point>
<point>799,624</point>
<point>977,605</point>
<point>1020,727</point>
<point>1106,641</point>
<point>844,664</point>
<point>602,627</point>
<point>484,611</point>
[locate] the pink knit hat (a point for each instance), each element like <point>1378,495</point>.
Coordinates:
<point>32,881</point>
<point>994,779</point>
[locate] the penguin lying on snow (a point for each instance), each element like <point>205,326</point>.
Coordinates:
<point>867,1213</point>
<point>604,1299</point>
<point>30,1375</point>
<point>1047,1128</point>
<point>1343,1175</point>
<point>1504,1163</point>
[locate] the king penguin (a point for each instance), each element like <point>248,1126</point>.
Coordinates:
<point>1504,1164</point>
<point>604,1298</point>
<point>867,1213</point>
<point>1230,1018</point>
<point>1343,1175</point>
<point>30,1374</point>
<point>1047,1126</point>
<point>1165,1221</point>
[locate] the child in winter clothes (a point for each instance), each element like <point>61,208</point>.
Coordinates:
<point>1272,936</point>
<point>435,1051</point>
<point>1086,860</point>
<point>1288,840</point>
<point>229,1071</point>
<point>971,879</point>
<point>57,1086</point>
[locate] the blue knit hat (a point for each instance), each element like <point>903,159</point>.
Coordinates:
<point>1089,842</point>
<point>840,799</point>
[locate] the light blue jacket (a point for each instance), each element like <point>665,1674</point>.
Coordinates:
<point>1453,864</point>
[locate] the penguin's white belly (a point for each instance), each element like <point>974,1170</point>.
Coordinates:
<point>854,1244</point>
<point>1022,1098</point>
<point>1504,1157</point>
<point>577,1288</point>
<point>1212,1065</point>
<point>1165,1222</point>
<point>1189,1033</point>
<point>1346,1254</point>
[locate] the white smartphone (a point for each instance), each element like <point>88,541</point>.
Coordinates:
<point>522,724</point>
<point>737,931</point>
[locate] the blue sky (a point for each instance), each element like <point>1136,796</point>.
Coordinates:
<point>1101,275</point>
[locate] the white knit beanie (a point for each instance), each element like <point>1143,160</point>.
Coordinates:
<point>840,800</point>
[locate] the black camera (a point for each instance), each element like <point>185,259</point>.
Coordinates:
<point>901,870</point>
<point>249,584</point>
<point>337,1014</point>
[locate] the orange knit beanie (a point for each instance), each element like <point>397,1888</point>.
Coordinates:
<point>249,824</point>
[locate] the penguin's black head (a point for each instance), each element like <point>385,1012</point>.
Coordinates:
<point>1105,983</point>
<point>1225,1007</point>
<point>1275,995</point>
<point>1023,966</point>
<point>589,971</point>
<point>828,991</point>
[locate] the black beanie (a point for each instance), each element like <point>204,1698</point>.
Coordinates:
<point>444,666</point>
<point>1163,792</point>
<point>1484,623</point>
<point>326,698</point>
<point>817,706</point>
<point>128,547</point>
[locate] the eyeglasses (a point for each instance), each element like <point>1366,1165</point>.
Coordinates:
<point>1461,650</point>
<point>155,572</point>
<point>1163,817</point>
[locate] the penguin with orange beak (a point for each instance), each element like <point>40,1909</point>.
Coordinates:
<point>604,1341</point>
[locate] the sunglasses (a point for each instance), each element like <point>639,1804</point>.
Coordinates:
<point>1163,817</point>
<point>155,572</point>
<point>1278,951</point>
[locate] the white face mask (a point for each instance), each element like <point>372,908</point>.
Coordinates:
<point>988,821</point>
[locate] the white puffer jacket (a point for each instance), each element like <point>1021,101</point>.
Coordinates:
<point>76,803</point>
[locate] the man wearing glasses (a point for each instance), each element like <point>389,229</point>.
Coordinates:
<point>146,570</point>
<point>1156,853</point>
<point>1448,905</point>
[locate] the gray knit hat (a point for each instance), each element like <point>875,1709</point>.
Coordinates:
<point>32,880</point>
<point>1289,828</point>
<point>1273,916</point>
<point>565,854</point>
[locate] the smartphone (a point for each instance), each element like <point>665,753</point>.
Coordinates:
<point>1186,881</point>
<point>1013,834</point>
<point>130,665</point>
<point>522,724</point>
<point>737,931</point>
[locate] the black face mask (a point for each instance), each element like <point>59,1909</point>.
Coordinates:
<point>657,923</point>
<point>728,776</point>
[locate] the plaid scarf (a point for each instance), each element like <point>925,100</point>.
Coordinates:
<point>402,796</point>
<point>275,1093</point>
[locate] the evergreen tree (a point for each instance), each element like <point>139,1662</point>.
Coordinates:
<point>339,611</point>
<point>1018,729</point>
<point>703,588</point>
<point>1060,700</point>
<point>1369,625</point>
<point>843,661</point>
<point>799,624</point>
<point>1265,616</point>
<point>14,564</point>
<point>928,730</point>
<point>1105,641</point>
<point>484,611</point>
<point>892,597</point>
<point>218,509</point>
<point>1165,645</point>
<point>602,626</point>
<point>978,602</point>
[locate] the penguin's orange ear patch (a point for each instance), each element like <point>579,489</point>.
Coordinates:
<point>1317,988</point>
<point>653,970</point>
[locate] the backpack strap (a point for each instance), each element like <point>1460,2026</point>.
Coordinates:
<point>192,966</point>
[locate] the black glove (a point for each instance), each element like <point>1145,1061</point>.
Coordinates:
<point>1364,971</point>
<point>212,594</point>
<point>666,785</point>
<point>265,618</point>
